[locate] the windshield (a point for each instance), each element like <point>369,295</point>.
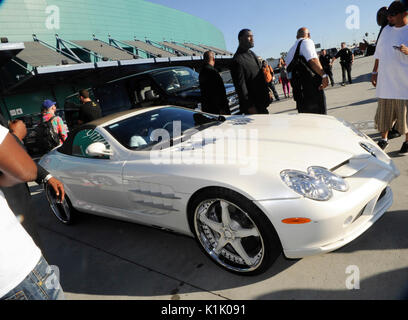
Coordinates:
<point>177,80</point>
<point>145,130</point>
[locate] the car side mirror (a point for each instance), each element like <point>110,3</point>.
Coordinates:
<point>98,149</point>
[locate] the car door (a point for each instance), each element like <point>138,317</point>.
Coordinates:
<point>150,192</point>
<point>95,182</point>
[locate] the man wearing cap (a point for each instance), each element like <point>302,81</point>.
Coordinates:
<point>57,123</point>
<point>389,75</point>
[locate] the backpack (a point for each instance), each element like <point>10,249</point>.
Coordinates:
<point>304,80</point>
<point>47,138</point>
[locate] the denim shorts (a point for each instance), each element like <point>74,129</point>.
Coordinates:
<point>41,284</point>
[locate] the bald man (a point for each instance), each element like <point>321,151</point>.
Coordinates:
<point>309,95</point>
<point>213,95</point>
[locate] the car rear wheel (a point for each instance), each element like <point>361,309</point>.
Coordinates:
<point>63,211</point>
<point>234,232</point>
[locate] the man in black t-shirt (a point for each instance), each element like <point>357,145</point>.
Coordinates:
<point>346,61</point>
<point>89,110</point>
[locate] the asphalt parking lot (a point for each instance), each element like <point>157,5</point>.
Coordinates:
<point>99,258</point>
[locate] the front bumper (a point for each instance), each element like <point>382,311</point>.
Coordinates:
<point>335,222</point>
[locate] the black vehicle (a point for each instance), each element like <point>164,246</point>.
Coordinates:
<point>332,52</point>
<point>357,52</point>
<point>165,86</point>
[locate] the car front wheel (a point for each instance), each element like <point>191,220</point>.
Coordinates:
<point>234,232</point>
<point>63,211</point>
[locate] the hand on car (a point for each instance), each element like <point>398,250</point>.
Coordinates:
<point>58,187</point>
<point>18,128</point>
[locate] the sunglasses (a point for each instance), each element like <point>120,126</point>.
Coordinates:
<point>393,14</point>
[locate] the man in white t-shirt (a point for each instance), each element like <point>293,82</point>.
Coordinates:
<point>311,98</point>
<point>24,273</point>
<point>390,76</point>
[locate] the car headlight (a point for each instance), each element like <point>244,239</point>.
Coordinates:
<point>306,185</point>
<point>330,179</point>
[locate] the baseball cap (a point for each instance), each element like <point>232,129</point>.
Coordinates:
<point>48,104</point>
<point>396,7</point>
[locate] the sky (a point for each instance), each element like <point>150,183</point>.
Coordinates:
<point>274,23</point>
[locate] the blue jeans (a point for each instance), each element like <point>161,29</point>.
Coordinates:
<point>41,284</point>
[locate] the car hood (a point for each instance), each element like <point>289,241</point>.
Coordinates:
<point>279,142</point>
<point>248,153</point>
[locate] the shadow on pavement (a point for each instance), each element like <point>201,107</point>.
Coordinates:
<point>372,288</point>
<point>362,102</point>
<point>362,78</point>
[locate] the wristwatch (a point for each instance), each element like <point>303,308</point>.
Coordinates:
<point>48,177</point>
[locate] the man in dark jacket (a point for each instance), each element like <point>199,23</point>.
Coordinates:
<point>249,81</point>
<point>214,97</point>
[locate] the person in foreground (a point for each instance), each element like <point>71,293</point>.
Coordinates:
<point>389,76</point>
<point>24,273</point>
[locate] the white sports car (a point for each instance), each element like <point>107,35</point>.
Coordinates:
<point>248,188</point>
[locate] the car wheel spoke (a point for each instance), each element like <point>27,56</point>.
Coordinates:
<point>237,245</point>
<point>225,215</point>
<point>222,242</point>
<point>245,233</point>
<point>210,223</point>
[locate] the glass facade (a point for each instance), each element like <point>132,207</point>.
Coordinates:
<point>122,19</point>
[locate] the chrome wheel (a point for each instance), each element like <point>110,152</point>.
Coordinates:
<point>229,235</point>
<point>61,210</point>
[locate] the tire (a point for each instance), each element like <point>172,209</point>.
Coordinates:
<point>233,232</point>
<point>64,211</point>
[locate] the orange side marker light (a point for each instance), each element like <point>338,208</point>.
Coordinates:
<point>296,221</point>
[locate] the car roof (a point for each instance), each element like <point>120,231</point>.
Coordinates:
<point>149,72</point>
<point>114,117</point>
